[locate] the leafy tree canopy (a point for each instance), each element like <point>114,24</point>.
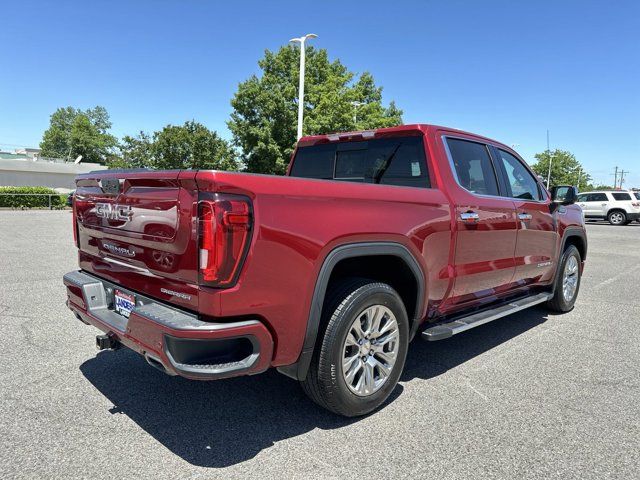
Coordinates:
<point>565,169</point>
<point>191,145</point>
<point>265,109</point>
<point>599,186</point>
<point>74,132</point>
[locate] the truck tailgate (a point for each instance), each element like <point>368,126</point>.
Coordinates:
<point>138,229</point>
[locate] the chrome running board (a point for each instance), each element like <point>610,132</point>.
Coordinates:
<point>440,331</point>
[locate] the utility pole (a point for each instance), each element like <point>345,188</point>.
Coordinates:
<point>622,172</point>
<point>549,153</point>
<point>615,179</point>
<point>579,175</point>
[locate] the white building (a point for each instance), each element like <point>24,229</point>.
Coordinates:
<point>27,169</point>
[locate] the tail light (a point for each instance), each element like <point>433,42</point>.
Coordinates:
<point>225,227</point>
<point>74,217</point>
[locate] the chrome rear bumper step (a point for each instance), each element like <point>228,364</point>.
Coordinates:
<point>447,329</point>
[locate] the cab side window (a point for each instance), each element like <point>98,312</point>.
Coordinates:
<point>473,166</point>
<point>520,182</point>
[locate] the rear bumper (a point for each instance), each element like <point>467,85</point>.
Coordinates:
<point>171,339</point>
<point>633,216</point>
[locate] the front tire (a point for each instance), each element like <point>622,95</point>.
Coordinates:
<point>358,360</point>
<point>567,281</point>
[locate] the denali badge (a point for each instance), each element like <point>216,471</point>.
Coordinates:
<point>119,250</point>
<point>176,294</point>
<point>113,211</point>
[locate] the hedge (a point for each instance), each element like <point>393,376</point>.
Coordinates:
<point>24,200</point>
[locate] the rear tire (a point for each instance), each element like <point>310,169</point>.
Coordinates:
<point>567,281</point>
<point>617,217</point>
<point>356,365</point>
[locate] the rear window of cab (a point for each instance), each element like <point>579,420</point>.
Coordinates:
<point>387,161</point>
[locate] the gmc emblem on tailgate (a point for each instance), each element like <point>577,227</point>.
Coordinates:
<point>113,211</point>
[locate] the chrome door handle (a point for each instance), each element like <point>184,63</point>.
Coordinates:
<point>525,217</point>
<point>470,217</point>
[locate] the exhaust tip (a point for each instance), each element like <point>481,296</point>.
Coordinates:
<point>157,364</point>
<point>107,342</point>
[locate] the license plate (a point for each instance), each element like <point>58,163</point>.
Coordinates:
<point>123,303</point>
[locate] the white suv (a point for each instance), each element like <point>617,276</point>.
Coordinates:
<point>619,207</point>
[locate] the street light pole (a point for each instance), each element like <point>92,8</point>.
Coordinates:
<point>579,176</point>
<point>356,104</point>
<point>301,40</point>
<point>550,159</point>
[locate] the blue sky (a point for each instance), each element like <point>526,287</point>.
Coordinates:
<point>509,70</point>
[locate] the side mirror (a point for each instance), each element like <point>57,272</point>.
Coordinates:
<point>564,194</point>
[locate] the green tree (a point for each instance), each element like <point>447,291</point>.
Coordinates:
<point>264,117</point>
<point>135,151</point>
<point>565,169</point>
<point>191,145</point>
<point>74,132</point>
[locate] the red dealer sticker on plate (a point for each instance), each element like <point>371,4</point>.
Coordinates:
<point>124,303</point>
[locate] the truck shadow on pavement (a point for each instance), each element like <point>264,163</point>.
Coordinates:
<point>219,424</point>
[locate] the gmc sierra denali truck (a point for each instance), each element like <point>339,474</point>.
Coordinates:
<point>371,239</point>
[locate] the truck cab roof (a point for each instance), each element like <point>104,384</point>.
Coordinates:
<point>400,130</point>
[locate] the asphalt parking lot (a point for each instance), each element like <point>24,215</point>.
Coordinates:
<point>530,396</point>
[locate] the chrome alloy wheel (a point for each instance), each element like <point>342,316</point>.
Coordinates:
<point>616,218</point>
<point>370,350</point>
<point>570,278</point>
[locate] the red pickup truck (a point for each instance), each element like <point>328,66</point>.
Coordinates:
<point>327,273</point>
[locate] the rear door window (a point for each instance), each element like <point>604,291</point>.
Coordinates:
<point>473,166</point>
<point>388,161</point>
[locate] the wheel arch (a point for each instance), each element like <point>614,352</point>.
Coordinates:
<point>332,264</point>
<point>575,236</point>
<point>572,236</point>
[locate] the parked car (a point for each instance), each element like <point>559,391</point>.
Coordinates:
<point>373,238</point>
<point>619,207</point>
<point>70,198</point>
